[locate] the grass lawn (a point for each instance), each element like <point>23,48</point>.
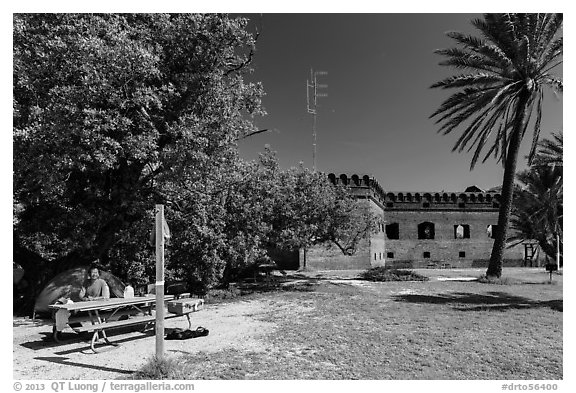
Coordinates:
<point>348,329</point>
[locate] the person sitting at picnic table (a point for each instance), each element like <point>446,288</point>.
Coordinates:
<point>94,288</point>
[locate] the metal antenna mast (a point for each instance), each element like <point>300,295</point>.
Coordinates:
<point>312,104</point>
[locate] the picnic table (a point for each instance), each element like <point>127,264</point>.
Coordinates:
<point>97,316</point>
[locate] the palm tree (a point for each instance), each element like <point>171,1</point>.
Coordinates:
<point>537,208</point>
<point>508,68</point>
<point>551,151</point>
<point>538,201</point>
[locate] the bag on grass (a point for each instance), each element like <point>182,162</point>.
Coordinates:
<point>180,334</point>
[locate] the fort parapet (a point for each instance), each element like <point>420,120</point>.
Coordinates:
<point>367,186</point>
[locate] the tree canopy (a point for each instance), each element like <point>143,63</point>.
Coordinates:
<point>114,113</point>
<point>108,106</point>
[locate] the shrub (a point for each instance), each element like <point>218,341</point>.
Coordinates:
<point>160,368</point>
<point>386,274</point>
<point>217,295</point>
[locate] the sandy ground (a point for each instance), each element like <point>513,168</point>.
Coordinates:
<point>37,356</point>
<point>235,325</point>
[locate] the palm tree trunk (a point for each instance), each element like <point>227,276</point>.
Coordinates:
<point>495,265</point>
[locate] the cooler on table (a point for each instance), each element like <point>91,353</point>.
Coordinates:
<point>185,306</point>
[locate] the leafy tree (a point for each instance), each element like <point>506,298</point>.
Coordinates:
<point>219,229</point>
<point>314,211</point>
<point>537,212</point>
<point>257,208</point>
<point>114,113</point>
<point>509,67</point>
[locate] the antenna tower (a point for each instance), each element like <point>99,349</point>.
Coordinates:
<point>312,95</point>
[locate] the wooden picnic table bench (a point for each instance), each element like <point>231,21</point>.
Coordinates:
<point>101,315</point>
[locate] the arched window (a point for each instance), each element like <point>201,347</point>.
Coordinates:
<point>491,231</point>
<point>426,230</point>
<point>462,231</point>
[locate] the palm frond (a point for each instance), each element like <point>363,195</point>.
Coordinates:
<point>458,119</point>
<point>551,53</point>
<point>481,142</point>
<point>551,27</point>
<point>485,122</point>
<point>524,50</point>
<point>505,124</point>
<point>531,25</point>
<point>499,30</point>
<point>466,80</point>
<point>461,101</point>
<point>482,47</point>
<point>497,55</point>
<point>469,41</point>
<point>461,59</point>
<point>488,126</point>
<point>470,131</point>
<point>467,94</point>
<point>536,134</point>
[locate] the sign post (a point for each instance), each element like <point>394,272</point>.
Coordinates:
<point>159,281</point>
<point>551,267</point>
<point>558,251</point>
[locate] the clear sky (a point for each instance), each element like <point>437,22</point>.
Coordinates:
<point>375,119</point>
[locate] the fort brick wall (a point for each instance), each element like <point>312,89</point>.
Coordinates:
<point>408,244</point>
<point>329,257</point>
<point>446,247</point>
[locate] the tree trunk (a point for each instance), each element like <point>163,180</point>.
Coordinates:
<point>495,265</point>
<point>549,249</point>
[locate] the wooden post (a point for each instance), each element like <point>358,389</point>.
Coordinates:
<point>159,281</point>
<point>558,251</point>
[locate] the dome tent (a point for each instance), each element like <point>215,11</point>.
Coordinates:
<point>69,283</point>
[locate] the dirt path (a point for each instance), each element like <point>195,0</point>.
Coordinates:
<point>36,356</point>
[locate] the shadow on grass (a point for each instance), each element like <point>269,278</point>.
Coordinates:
<point>66,363</point>
<point>493,301</point>
<point>67,338</point>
